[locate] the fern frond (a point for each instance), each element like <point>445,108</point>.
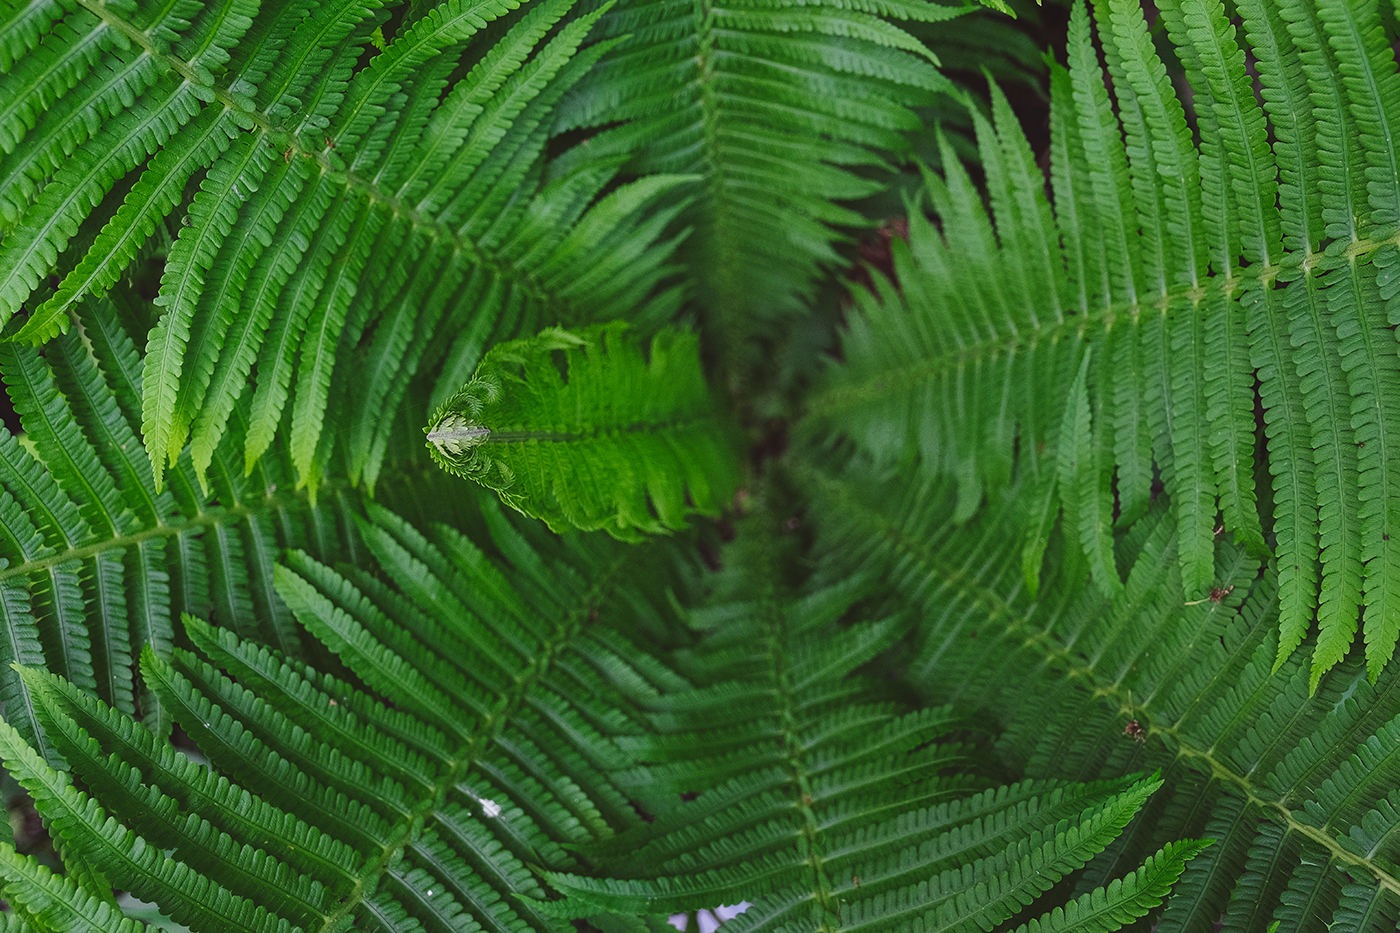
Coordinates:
<point>603,439</point>
<point>54,902</point>
<point>738,97</point>
<point>117,850</point>
<point>99,561</point>
<point>1286,782</point>
<point>440,801</point>
<point>1225,264</point>
<point>1124,900</point>
<point>820,811</point>
<point>1047,579</point>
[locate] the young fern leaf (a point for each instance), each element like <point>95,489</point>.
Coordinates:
<point>580,429</point>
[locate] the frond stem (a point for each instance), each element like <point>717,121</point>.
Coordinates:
<point>216,516</point>
<point>786,708</point>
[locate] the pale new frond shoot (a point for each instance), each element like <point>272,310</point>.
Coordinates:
<point>580,429</point>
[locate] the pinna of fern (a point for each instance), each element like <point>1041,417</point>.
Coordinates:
<point>390,217</point>
<point>1116,339</point>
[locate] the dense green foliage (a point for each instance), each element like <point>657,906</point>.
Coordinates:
<point>1045,581</point>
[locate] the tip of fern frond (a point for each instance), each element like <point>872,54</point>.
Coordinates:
<point>1286,648</point>
<point>1375,665</point>
<point>1002,7</point>
<point>1315,677</point>
<point>41,328</point>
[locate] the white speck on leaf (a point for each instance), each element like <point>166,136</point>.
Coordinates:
<point>490,808</point>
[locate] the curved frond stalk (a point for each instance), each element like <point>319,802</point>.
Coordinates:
<point>580,429</point>
<point>1205,270</point>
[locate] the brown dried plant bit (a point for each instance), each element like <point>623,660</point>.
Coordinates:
<point>1216,594</point>
<point>1135,731</point>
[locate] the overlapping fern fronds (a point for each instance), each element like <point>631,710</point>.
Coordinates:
<point>1118,338</point>
<point>830,808</point>
<point>1041,505</point>
<point>352,222</point>
<point>1295,788</point>
<point>784,110</point>
<point>482,739</point>
<point>97,563</point>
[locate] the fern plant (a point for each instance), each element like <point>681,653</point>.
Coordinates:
<point>1044,583</point>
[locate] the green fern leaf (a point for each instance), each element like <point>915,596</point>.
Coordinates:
<point>54,902</point>
<point>1202,271</point>
<point>1125,900</point>
<point>600,438</point>
<point>737,97</point>
<point>789,769</point>
<point>1098,473</point>
<point>1088,507</point>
